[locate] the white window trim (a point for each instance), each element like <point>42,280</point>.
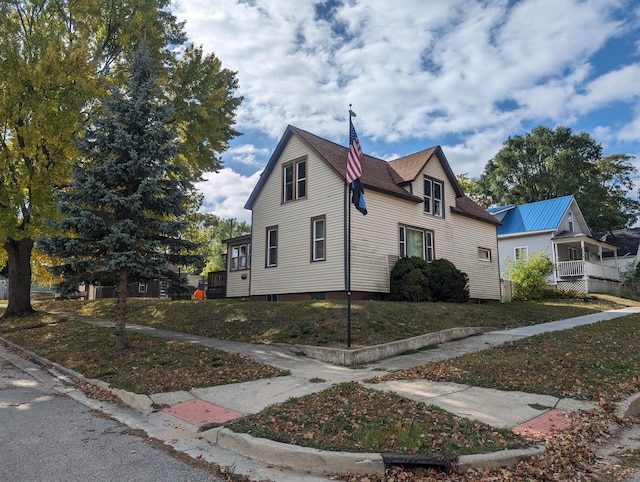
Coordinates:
<point>315,238</point>
<point>484,255</point>
<point>432,205</point>
<point>237,257</point>
<point>428,252</point>
<point>524,249</point>
<point>271,248</point>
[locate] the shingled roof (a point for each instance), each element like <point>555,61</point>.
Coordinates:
<point>377,174</point>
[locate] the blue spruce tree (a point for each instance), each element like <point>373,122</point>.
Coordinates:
<point>123,212</point>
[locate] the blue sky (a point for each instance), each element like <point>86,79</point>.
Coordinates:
<point>462,74</point>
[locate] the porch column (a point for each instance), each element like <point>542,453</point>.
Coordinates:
<point>584,263</point>
<point>555,263</point>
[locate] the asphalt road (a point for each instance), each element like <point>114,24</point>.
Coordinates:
<point>47,436</point>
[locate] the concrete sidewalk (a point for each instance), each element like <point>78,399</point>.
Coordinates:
<point>199,407</point>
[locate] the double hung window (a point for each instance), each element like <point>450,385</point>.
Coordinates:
<point>241,257</point>
<point>272,247</point>
<point>521,252</point>
<point>433,196</point>
<point>294,180</point>
<point>318,238</point>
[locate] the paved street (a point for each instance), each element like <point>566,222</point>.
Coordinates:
<point>47,436</point>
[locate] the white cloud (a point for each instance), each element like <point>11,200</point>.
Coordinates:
<point>618,85</point>
<point>438,72</point>
<point>246,154</point>
<point>226,193</point>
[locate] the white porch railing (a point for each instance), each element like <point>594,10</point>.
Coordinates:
<point>579,268</point>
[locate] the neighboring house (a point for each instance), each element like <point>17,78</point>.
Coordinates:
<point>627,242</point>
<point>557,228</point>
<point>415,208</point>
<point>143,289</point>
<point>151,288</point>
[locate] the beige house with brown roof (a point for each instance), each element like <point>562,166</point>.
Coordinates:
<point>415,208</point>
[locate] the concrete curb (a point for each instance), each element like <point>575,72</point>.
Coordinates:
<point>503,458</point>
<point>360,356</point>
<point>325,462</point>
<point>629,407</point>
<point>293,457</point>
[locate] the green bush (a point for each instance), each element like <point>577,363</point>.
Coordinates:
<point>409,281</point>
<point>446,282</point>
<point>529,275</point>
<point>413,279</point>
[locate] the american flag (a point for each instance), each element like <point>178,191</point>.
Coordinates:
<point>354,169</point>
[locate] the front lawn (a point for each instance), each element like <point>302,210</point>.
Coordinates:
<point>151,365</point>
<point>591,362</point>
<point>324,323</point>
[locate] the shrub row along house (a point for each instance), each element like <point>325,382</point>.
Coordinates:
<point>415,208</point>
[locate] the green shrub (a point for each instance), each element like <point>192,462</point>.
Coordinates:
<point>446,282</point>
<point>529,275</point>
<point>413,279</point>
<point>408,281</point>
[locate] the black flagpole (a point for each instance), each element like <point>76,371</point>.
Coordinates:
<point>348,251</point>
<point>349,271</point>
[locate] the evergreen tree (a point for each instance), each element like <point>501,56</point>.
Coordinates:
<point>124,209</point>
<point>56,57</point>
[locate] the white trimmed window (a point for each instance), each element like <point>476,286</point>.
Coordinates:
<point>241,257</point>
<point>521,252</point>
<point>272,247</point>
<point>415,242</point>
<point>484,254</point>
<point>433,196</point>
<point>318,238</point>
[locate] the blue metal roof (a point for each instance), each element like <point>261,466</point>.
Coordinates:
<point>538,216</point>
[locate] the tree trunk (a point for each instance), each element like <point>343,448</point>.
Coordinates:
<point>122,342</point>
<point>19,264</point>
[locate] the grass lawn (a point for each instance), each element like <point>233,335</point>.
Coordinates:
<point>151,365</point>
<point>591,362</point>
<point>323,323</point>
<point>358,419</point>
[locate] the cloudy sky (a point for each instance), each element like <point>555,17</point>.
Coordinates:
<point>462,74</point>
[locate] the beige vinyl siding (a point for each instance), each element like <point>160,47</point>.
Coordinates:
<point>374,245</point>
<point>374,238</point>
<point>456,238</point>
<point>295,273</point>
<point>236,286</point>
<point>459,237</point>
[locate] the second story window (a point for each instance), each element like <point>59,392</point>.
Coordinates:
<point>294,180</point>
<point>433,197</point>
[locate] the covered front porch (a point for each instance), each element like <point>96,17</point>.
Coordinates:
<point>579,267</point>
